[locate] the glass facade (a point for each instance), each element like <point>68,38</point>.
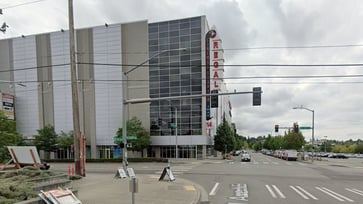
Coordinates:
<point>175,73</point>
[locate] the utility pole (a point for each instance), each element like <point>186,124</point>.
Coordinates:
<point>75,103</point>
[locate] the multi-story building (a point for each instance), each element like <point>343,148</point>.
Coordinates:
<point>175,51</point>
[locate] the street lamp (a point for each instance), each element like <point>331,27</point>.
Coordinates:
<point>312,128</point>
<point>13,82</point>
<point>125,99</point>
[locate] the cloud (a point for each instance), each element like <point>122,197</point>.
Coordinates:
<point>242,24</point>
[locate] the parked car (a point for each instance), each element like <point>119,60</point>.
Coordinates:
<point>338,156</point>
<point>246,157</point>
<point>236,153</point>
<point>290,155</point>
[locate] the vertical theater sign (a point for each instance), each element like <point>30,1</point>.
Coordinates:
<point>218,61</point>
<point>214,71</point>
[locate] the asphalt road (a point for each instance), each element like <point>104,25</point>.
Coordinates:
<point>270,180</point>
<point>264,180</point>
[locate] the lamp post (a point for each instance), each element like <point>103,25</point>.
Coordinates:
<point>125,103</point>
<point>176,133</point>
<point>312,128</point>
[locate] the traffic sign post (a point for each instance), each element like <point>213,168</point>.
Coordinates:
<point>117,140</point>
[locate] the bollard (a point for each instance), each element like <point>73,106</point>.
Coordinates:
<point>69,170</point>
<point>72,169</point>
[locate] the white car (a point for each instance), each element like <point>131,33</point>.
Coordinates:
<point>245,157</point>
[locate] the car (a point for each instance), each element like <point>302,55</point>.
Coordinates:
<point>236,153</point>
<point>337,156</point>
<point>246,157</point>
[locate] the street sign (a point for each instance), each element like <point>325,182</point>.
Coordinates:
<point>120,139</point>
<point>131,137</point>
<point>305,128</point>
<point>172,125</point>
<point>117,139</point>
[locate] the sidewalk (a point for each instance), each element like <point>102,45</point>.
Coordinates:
<point>98,188</point>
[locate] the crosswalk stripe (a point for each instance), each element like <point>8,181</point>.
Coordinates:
<point>214,189</point>
<point>356,191</point>
<point>307,193</point>
<point>334,194</point>
<point>330,194</point>
<point>278,191</point>
<point>271,191</point>
<point>298,192</point>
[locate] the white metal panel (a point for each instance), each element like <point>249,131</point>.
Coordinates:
<point>63,120</point>
<point>108,82</point>
<point>182,140</point>
<point>26,98</point>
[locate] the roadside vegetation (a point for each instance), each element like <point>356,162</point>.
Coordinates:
<point>16,185</point>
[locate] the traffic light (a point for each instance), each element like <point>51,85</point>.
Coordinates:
<point>214,99</point>
<point>296,127</point>
<point>160,121</point>
<point>256,96</point>
<point>276,128</point>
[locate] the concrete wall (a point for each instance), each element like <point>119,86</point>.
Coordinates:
<point>6,59</point>
<point>44,74</point>
<point>135,48</point>
<point>86,94</point>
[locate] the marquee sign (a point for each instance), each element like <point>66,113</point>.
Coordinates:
<point>214,75</point>
<point>218,61</point>
<point>210,34</point>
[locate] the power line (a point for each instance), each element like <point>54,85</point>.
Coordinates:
<point>158,65</point>
<point>22,4</point>
<point>296,47</point>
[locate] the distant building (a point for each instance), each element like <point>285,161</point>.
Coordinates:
<point>42,63</point>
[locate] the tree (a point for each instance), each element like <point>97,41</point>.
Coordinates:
<point>46,139</point>
<point>224,139</point>
<point>64,140</point>
<point>135,128</point>
<point>8,136</point>
<point>359,149</point>
<point>293,140</point>
<point>64,144</point>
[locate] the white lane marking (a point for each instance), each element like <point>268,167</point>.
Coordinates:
<point>265,162</point>
<point>330,194</point>
<point>278,191</point>
<point>214,189</point>
<point>271,191</point>
<point>356,191</point>
<point>289,164</point>
<point>307,193</point>
<point>337,194</point>
<point>301,164</point>
<point>298,192</point>
<point>334,194</point>
<point>275,163</point>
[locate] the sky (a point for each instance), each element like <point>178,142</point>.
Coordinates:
<point>254,32</point>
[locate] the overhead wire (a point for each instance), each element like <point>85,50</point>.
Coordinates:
<point>22,4</point>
